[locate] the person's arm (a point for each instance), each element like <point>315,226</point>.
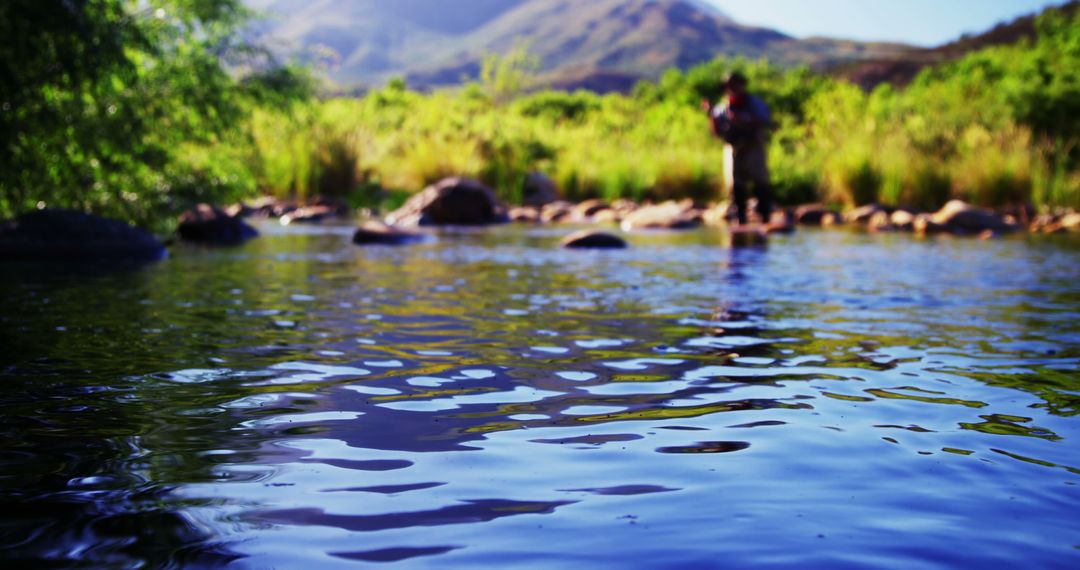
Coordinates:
<point>707,106</point>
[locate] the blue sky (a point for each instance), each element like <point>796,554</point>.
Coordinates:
<point>920,22</point>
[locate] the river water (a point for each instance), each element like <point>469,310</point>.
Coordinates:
<point>835,400</point>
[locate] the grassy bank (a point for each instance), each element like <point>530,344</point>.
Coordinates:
<point>997,128</point>
<point>147,120</point>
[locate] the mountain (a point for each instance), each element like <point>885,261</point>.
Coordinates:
<point>599,44</point>
<point>902,67</point>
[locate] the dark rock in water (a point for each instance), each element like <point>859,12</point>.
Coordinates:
<point>593,239</point>
<point>539,190</point>
<point>925,225</point>
<point>962,218</point>
<point>377,233</point>
<point>67,235</point>
<point>451,202</point>
<point>206,224</point>
<point>864,214</point>
<point>814,215</point>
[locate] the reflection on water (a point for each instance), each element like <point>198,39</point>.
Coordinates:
<point>490,399</point>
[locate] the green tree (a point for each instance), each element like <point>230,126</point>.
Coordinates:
<point>130,108</point>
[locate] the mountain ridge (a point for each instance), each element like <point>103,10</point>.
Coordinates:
<point>366,42</point>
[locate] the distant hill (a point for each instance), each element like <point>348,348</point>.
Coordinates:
<point>900,68</point>
<point>598,44</point>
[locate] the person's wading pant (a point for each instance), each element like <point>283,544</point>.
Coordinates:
<point>743,167</point>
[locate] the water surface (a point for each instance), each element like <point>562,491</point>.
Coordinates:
<point>834,400</point>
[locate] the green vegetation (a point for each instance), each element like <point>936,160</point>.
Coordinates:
<point>128,108</point>
<point>997,128</point>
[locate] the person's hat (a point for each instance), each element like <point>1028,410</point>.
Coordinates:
<point>736,78</point>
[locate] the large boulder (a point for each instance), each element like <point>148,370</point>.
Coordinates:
<point>666,216</point>
<point>208,225</point>
<point>451,202</point>
<point>377,233</point>
<point>963,218</point>
<point>67,235</point>
<point>593,239</point>
<point>539,190</point>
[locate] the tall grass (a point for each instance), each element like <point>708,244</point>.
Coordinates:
<point>992,129</point>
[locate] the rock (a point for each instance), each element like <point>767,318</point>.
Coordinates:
<point>206,224</point>
<point>1071,222</point>
<point>1045,223</point>
<point>68,235</point>
<point>903,220</point>
<point>377,233</point>
<point>556,212</point>
<point>881,221</point>
<point>524,214</point>
<point>333,205</point>
<point>812,215</point>
<point>585,211</point>
<point>864,214</point>
<point>593,239</point>
<point>624,206</point>
<point>539,190</point>
<point>608,216</point>
<point>451,202</point>
<point>718,214</point>
<point>308,215</point>
<point>962,218</point>
<point>925,225</point>
<point>832,219</point>
<point>283,208</point>
<point>667,216</point>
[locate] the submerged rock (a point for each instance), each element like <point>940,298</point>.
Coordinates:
<point>68,235</point>
<point>593,239</point>
<point>206,224</point>
<point>451,202</point>
<point>377,233</point>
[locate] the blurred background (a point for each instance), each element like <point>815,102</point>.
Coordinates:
<point>141,109</point>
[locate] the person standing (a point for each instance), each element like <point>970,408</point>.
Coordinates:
<point>743,121</point>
